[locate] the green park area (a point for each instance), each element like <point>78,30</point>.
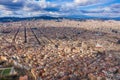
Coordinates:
<point>5,72</point>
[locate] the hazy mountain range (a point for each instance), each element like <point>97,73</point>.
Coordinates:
<point>82,17</point>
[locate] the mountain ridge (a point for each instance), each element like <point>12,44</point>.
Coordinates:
<point>82,17</point>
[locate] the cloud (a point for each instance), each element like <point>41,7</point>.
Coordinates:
<point>85,2</point>
<point>112,10</point>
<point>33,7</point>
<point>75,5</point>
<point>25,8</point>
<point>12,4</point>
<point>116,6</point>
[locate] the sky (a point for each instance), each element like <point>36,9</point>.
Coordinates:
<point>59,8</point>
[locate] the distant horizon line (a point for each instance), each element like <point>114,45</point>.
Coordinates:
<point>14,19</point>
